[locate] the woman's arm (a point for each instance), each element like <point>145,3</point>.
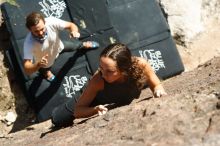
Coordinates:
<point>152,79</point>
<point>82,108</point>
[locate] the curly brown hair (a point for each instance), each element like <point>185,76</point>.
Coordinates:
<point>127,64</point>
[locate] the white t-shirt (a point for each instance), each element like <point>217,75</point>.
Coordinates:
<point>52,45</point>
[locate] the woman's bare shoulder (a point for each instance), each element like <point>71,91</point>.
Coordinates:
<point>97,80</point>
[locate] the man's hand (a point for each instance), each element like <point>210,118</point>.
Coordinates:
<point>101,110</point>
<point>73,29</point>
<point>74,34</point>
<point>44,61</point>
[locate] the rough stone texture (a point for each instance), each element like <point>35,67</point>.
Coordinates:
<point>210,9</point>
<point>187,18</point>
<point>189,115</point>
<point>203,48</point>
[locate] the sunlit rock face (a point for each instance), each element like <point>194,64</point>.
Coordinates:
<point>188,18</point>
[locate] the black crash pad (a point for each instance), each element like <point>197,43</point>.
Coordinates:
<point>140,24</point>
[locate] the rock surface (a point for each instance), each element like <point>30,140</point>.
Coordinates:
<point>189,115</point>
<point>187,18</point>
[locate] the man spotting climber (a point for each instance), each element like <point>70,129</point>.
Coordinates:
<point>42,44</point>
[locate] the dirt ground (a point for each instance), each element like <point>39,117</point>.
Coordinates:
<point>189,115</point>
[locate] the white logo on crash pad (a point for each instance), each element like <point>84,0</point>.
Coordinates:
<point>74,83</point>
<point>154,58</point>
<point>53,8</point>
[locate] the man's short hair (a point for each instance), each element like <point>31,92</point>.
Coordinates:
<point>33,19</point>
